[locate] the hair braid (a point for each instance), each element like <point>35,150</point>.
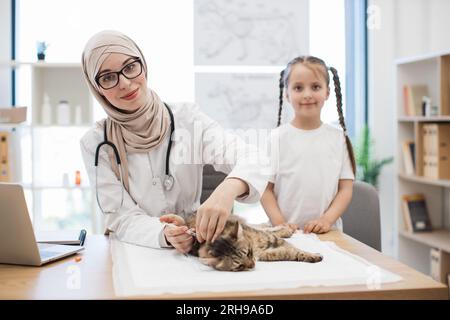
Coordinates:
<point>337,90</point>
<point>281,84</point>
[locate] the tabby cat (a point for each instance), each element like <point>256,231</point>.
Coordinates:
<point>240,245</point>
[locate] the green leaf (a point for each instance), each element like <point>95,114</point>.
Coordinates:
<point>368,169</point>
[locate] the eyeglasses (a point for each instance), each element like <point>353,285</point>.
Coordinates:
<point>111,79</point>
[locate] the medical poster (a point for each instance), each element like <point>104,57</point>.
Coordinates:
<point>240,100</point>
<point>256,32</point>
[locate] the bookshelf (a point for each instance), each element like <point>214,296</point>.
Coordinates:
<point>414,249</point>
<point>48,151</point>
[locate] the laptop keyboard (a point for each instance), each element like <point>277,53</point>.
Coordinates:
<point>47,254</point>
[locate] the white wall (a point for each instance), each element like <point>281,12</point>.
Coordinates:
<point>5,51</point>
<point>407,28</point>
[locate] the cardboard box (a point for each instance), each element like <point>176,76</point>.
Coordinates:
<point>440,265</point>
<point>13,115</point>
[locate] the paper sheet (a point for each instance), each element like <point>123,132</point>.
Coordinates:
<point>145,271</point>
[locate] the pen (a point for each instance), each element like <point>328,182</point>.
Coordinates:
<point>82,237</point>
<point>191,232</point>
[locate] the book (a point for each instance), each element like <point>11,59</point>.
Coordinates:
<point>68,237</point>
<point>4,157</point>
<point>409,159</point>
<point>415,213</point>
<point>413,99</point>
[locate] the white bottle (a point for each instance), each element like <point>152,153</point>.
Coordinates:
<point>78,116</point>
<point>63,113</point>
<point>46,111</point>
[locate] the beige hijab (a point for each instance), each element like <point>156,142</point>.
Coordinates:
<point>136,132</point>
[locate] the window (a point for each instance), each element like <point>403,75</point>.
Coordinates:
<point>166,37</point>
<point>327,41</point>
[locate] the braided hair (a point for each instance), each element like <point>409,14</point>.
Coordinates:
<point>311,60</point>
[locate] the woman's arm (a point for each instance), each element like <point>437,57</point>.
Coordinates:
<point>131,223</point>
<point>270,205</point>
<point>242,162</point>
<point>214,212</point>
<point>335,210</point>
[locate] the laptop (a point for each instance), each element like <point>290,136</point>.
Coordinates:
<point>17,240</point>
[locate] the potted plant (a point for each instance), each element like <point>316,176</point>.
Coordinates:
<point>41,47</point>
<point>368,169</point>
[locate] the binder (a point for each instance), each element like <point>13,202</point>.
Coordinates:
<point>436,150</point>
<point>4,157</point>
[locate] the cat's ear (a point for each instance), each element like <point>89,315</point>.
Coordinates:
<point>236,232</point>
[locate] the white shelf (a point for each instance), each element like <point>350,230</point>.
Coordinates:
<point>58,187</point>
<point>11,125</point>
<point>421,58</point>
<point>439,239</point>
<point>44,166</point>
<point>424,119</point>
<point>43,64</point>
<point>53,126</point>
<point>428,181</point>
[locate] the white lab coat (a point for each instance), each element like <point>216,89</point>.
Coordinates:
<point>137,221</point>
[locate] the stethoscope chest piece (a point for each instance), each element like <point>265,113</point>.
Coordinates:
<point>168,179</point>
<point>168,182</point>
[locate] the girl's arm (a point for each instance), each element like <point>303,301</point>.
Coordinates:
<point>336,209</point>
<point>270,205</point>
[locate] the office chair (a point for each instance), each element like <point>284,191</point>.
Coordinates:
<point>211,179</point>
<point>361,220</point>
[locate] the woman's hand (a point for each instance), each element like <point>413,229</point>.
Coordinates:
<point>214,212</point>
<point>175,233</point>
<point>178,238</point>
<point>321,225</point>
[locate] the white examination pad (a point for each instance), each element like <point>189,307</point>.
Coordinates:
<point>145,271</point>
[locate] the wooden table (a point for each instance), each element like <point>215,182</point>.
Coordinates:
<point>91,278</point>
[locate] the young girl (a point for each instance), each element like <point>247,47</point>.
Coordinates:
<point>312,182</point>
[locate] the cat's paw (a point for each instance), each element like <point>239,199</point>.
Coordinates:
<point>286,230</point>
<point>310,257</point>
<point>316,257</point>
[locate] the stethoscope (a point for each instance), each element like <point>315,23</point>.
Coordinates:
<point>168,178</point>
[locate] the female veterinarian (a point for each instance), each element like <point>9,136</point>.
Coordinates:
<point>146,158</point>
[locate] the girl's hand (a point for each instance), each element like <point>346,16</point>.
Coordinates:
<point>321,225</point>
<point>178,238</point>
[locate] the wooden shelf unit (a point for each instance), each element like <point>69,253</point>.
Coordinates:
<point>415,249</point>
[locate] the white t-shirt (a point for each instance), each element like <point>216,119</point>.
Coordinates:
<point>307,166</point>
